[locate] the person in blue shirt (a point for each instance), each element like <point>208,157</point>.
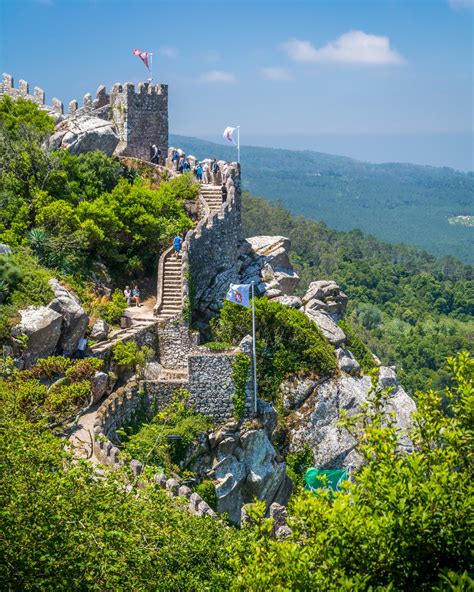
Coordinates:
<point>177,245</point>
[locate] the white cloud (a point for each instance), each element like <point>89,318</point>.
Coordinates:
<point>169,52</point>
<point>353,47</point>
<point>461,4</point>
<point>218,76</point>
<point>274,73</point>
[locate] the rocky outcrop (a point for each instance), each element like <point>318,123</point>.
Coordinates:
<point>83,134</point>
<point>100,330</point>
<point>5,249</point>
<point>346,361</point>
<point>316,422</point>
<point>324,303</point>
<point>42,327</point>
<point>246,467</point>
<point>74,318</point>
<point>267,264</point>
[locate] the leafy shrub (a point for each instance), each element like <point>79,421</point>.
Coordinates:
<point>297,462</point>
<point>129,355</point>
<point>287,342</point>
<point>240,375</point>
<point>361,352</point>
<point>152,443</point>
<point>84,369</point>
<point>405,521</point>
<point>112,310</point>
<point>218,345</point>
<point>10,276</point>
<point>47,368</point>
<point>67,398</point>
<point>207,491</point>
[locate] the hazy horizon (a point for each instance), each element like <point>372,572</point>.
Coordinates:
<point>453,150</point>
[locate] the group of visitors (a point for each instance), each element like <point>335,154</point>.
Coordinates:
<point>203,171</point>
<point>132,295</point>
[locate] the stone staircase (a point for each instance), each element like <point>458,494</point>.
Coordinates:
<point>212,194</point>
<point>170,299</point>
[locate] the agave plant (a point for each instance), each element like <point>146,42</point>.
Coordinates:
<point>38,239</point>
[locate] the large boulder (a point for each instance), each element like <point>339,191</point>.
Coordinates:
<point>100,330</point>
<point>246,467</point>
<point>326,296</point>
<point>85,133</point>
<point>316,422</point>
<point>346,361</point>
<point>42,326</point>
<point>265,261</point>
<point>5,249</point>
<point>329,328</point>
<point>75,318</point>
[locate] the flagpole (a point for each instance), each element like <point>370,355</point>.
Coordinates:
<point>254,351</point>
<point>238,145</point>
<point>151,66</point>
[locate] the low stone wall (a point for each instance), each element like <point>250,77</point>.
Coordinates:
<point>212,387</point>
<point>175,343</point>
<point>118,410</point>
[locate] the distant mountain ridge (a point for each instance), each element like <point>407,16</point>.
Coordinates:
<point>395,202</point>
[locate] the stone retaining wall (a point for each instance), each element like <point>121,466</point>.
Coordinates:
<point>176,342</point>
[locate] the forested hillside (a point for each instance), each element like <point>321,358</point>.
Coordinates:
<point>394,202</point>
<point>411,308</point>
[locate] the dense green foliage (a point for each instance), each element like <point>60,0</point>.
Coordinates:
<point>76,215</point>
<point>23,282</point>
<point>287,342</point>
<point>64,529</point>
<point>53,389</point>
<point>394,202</point>
<point>164,441</point>
<point>408,307</point>
<point>129,356</point>
<point>405,523</point>
<point>78,210</point>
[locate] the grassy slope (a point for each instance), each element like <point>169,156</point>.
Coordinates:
<point>395,202</point>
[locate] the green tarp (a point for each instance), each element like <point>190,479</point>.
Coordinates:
<point>315,479</point>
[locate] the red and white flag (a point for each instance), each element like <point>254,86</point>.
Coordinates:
<point>228,135</point>
<point>143,55</point>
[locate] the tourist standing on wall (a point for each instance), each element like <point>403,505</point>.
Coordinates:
<point>206,173</point>
<point>175,159</point>
<point>155,154</point>
<point>215,172</point>
<point>198,171</point>
<point>181,165</point>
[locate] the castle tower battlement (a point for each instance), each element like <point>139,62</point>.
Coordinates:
<point>140,117</point>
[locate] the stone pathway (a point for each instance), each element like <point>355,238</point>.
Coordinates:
<point>82,435</point>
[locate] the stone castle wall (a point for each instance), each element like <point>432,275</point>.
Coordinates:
<point>140,115</point>
<point>212,248</point>
<point>7,87</point>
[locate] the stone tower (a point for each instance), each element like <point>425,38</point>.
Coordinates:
<point>140,117</point>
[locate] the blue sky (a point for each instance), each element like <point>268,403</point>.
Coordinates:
<point>377,79</point>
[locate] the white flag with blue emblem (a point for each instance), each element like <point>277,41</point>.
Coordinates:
<point>240,294</point>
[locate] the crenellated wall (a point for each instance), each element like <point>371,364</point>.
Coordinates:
<point>140,115</point>
<point>212,248</point>
<point>7,87</point>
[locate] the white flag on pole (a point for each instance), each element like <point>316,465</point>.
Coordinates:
<point>240,294</point>
<point>227,135</point>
